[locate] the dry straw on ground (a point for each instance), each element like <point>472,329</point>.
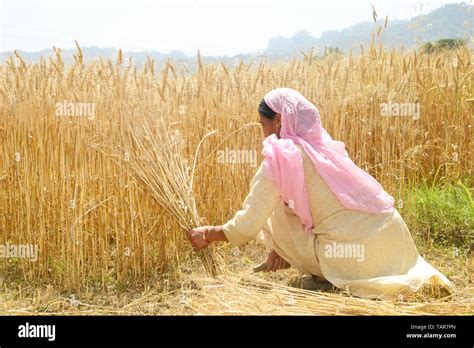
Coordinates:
<point>244,295</point>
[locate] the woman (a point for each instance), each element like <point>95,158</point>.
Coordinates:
<point>320,213</point>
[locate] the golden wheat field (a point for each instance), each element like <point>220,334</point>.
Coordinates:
<point>107,198</point>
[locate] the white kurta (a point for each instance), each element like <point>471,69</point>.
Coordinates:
<point>369,255</point>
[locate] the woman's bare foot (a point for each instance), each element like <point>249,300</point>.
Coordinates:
<point>275,262</point>
<point>311,282</point>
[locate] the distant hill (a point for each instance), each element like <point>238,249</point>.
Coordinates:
<point>454,21</point>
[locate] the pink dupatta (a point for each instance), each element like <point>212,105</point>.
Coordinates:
<point>301,124</point>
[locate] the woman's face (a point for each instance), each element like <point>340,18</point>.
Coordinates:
<point>269,126</point>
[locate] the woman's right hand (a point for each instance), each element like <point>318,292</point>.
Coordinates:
<point>275,262</point>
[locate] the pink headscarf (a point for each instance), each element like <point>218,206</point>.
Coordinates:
<point>301,124</point>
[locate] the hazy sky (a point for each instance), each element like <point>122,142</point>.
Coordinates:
<point>214,27</point>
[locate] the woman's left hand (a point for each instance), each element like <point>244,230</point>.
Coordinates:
<point>197,237</point>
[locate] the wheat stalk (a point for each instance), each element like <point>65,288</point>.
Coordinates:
<point>159,164</point>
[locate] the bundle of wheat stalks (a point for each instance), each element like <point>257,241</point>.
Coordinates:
<point>156,159</point>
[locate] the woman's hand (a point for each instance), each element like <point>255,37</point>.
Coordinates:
<point>275,262</point>
<point>197,237</point>
<point>201,237</point>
